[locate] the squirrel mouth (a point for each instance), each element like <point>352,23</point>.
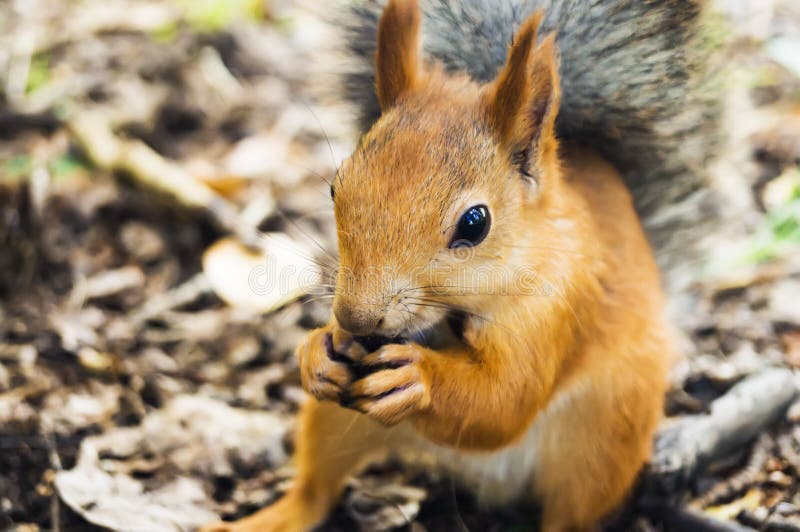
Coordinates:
<point>447,330</point>
<point>373,342</point>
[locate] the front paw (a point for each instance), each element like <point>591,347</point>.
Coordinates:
<point>393,384</point>
<point>326,359</point>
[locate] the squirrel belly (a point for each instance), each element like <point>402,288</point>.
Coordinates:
<point>506,476</point>
<point>497,478</point>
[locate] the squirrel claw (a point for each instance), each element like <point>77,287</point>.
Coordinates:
<point>393,406</point>
<point>395,386</point>
<point>333,354</point>
<point>324,371</point>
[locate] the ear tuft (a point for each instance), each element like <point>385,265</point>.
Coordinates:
<point>545,88</point>
<point>510,89</point>
<point>397,57</point>
<point>523,100</point>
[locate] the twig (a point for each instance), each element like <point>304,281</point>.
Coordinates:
<point>743,479</point>
<point>777,523</point>
<point>687,519</point>
<point>55,463</point>
<point>772,522</point>
<point>180,295</point>
<point>92,130</point>
<point>788,452</point>
<point>19,67</point>
<point>132,18</point>
<point>686,448</point>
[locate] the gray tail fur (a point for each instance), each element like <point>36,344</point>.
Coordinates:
<point>635,79</point>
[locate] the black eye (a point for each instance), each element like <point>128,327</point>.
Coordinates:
<point>332,192</point>
<point>472,227</point>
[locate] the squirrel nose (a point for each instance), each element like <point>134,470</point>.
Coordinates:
<point>357,319</point>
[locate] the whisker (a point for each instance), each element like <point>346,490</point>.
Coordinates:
<point>324,133</point>
<point>308,236</point>
<point>305,233</point>
<point>316,174</point>
<point>438,305</point>
<point>294,250</point>
<point>316,299</point>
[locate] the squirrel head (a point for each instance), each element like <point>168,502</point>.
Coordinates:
<point>435,204</point>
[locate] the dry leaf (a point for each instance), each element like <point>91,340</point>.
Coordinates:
<point>257,156</point>
<point>384,507</point>
<point>729,511</point>
<point>784,301</point>
<point>192,436</point>
<point>260,280</point>
<point>111,282</point>
<point>120,502</point>
<point>791,345</point>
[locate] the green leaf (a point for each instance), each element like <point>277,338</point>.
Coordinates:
<point>780,233</point>
<point>214,15</point>
<point>65,166</point>
<point>166,33</point>
<point>38,74</point>
<point>16,167</point>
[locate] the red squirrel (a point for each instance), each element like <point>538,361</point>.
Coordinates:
<point>498,304</point>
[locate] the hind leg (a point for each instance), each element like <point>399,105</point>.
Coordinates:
<point>332,443</point>
<point>591,451</point>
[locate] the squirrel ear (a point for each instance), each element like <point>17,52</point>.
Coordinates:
<point>523,100</point>
<point>397,55</point>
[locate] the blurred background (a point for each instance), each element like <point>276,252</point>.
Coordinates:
<point>159,159</point>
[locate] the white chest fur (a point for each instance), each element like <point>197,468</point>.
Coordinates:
<point>496,478</point>
<point>504,476</point>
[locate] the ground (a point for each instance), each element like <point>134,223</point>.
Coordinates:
<point>141,387</point>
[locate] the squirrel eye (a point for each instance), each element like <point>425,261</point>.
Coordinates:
<point>472,227</point>
<point>333,193</point>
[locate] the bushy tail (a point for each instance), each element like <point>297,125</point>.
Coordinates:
<point>635,85</point>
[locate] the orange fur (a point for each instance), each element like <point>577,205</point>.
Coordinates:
<point>397,55</point>
<point>563,349</point>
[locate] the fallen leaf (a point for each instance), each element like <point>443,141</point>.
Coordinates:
<point>784,301</point>
<point>120,502</point>
<point>260,280</point>
<point>192,437</point>
<point>729,511</point>
<point>97,361</point>
<point>384,507</point>
<point>791,346</point>
<point>257,156</point>
<point>112,282</point>
<point>65,411</point>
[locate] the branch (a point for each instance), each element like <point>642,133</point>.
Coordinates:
<point>685,448</point>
